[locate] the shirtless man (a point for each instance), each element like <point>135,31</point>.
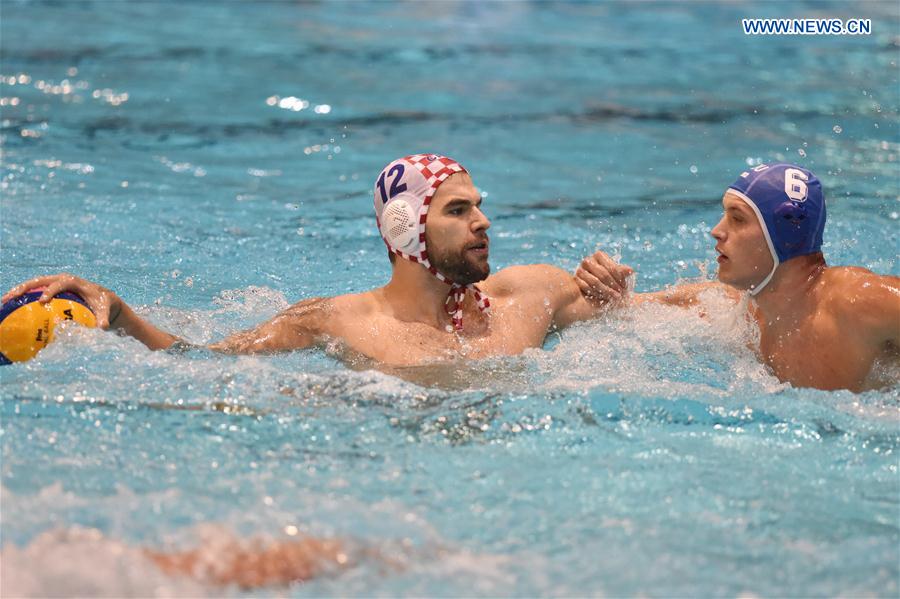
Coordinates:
<point>820,326</point>
<point>431,310</point>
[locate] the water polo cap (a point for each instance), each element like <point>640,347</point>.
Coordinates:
<point>790,206</point>
<point>403,193</point>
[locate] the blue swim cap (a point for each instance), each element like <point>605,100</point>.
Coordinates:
<point>790,206</point>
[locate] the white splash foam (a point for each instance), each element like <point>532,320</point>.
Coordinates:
<point>652,349</point>
<point>254,301</point>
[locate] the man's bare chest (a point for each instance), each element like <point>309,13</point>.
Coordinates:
<point>504,331</point>
<point>817,355</point>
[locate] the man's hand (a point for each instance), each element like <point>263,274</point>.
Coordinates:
<point>598,285</point>
<point>106,305</point>
<point>602,280</point>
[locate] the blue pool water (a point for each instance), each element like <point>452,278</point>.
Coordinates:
<point>212,163</point>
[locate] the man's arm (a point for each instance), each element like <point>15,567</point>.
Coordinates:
<point>558,291</point>
<point>683,296</point>
<point>108,308</point>
<point>573,306</point>
<point>593,280</point>
<point>870,304</point>
<point>298,327</point>
<point>602,285</point>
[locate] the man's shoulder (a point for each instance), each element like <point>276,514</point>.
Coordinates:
<point>839,274</point>
<point>847,284</point>
<point>859,296</point>
<point>523,278</point>
<point>353,303</point>
<point>322,313</point>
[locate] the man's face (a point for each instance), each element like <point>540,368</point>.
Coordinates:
<point>744,257</point>
<point>456,231</point>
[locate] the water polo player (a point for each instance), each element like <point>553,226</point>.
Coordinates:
<point>820,326</point>
<point>440,303</point>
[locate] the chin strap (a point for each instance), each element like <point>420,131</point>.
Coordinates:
<point>455,299</point>
<point>457,294</point>
<point>754,290</point>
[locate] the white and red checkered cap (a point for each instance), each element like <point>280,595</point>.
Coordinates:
<point>402,195</point>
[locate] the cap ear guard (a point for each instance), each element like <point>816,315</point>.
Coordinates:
<point>399,226</point>
<point>792,228</point>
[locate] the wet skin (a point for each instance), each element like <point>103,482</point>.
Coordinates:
<point>405,322</point>
<point>820,326</point>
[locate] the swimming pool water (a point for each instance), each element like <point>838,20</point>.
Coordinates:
<point>212,163</point>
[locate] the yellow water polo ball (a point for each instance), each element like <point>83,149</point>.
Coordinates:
<point>26,325</point>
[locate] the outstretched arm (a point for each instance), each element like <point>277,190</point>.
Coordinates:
<point>683,296</point>
<point>558,292</point>
<point>297,327</point>
<point>593,280</point>
<point>108,308</point>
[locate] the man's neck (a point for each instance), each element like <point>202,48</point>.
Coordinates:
<point>786,298</point>
<point>416,295</point>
